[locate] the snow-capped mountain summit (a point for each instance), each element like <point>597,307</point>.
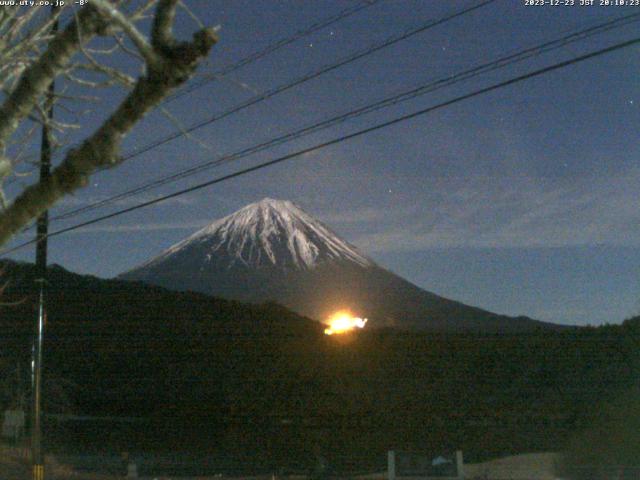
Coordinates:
<point>272,250</point>
<point>266,234</point>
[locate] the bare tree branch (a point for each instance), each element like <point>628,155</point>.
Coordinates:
<point>107,9</point>
<point>37,77</point>
<point>161,31</point>
<point>170,65</point>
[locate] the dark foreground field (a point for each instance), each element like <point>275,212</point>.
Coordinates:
<point>258,388</point>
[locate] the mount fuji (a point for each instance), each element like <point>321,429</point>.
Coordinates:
<point>272,250</point>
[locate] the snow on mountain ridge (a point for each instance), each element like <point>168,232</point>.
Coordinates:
<point>272,251</point>
<point>269,233</point>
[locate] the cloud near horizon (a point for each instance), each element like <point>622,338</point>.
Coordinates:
<point>502,213</point>
<point>143,227</point>
<point>479,212</point>
<point>76,201</point>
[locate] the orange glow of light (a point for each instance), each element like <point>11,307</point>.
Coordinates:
<point>343,322</point>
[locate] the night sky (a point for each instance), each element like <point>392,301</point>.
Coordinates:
<point>523,201</point>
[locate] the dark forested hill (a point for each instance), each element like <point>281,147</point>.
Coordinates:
<point>262,381</point>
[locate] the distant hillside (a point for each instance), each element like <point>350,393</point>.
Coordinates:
<point>259,382</point>
<point>112,336</point>
<point>272,250</point>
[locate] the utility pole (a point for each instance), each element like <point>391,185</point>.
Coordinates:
<point>37,458</point>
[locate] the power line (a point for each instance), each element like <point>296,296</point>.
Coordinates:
<point>401,97</point>
<point>319,25</point>
<point>305,78</point>
<point>300,80</point>
<point>356,56</point>
<point>341,139</point>
<point>251,58</point>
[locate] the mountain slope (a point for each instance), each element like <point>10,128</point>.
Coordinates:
<point>274,251</point>
<point>220,376</point>
<point>266,234</point>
